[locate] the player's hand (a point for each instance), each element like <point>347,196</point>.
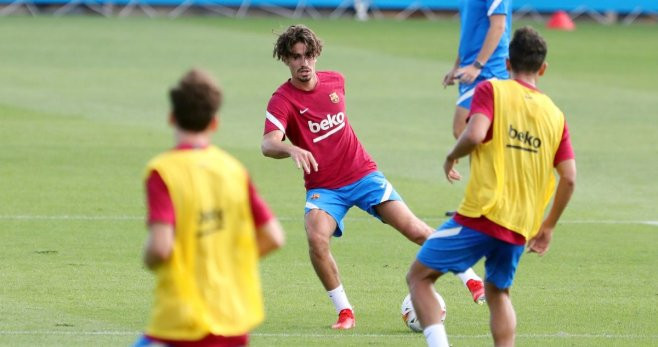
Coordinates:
<point>467,74</point>
<point>303,159</point>
<point>449,78</point>
<point>541,242</point>
<point>449,170</point>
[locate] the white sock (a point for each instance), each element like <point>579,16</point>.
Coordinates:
<point>468,275</point>
<point>339,298</point>
<point>436,336</point>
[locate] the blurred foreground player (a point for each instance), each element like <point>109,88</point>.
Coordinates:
<point>208,227</point>
<point>516,137</point>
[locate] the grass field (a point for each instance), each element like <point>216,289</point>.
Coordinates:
<point>83,107</point>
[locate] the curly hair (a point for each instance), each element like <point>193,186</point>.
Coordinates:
<point>293,35</point>
<point>195,100</point>
<point>527,50</point>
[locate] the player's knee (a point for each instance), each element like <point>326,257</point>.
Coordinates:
<point>317,243</point>
<point>417,231</point>
<point>412,278</point>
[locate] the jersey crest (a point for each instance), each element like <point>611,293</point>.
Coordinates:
<point>334,98</point>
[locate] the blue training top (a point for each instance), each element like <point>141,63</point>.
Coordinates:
<point>474,26</point>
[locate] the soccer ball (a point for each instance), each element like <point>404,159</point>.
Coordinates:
<point>409,315</point>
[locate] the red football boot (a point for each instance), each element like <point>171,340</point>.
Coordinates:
<point>477,290</point>
<point>345,320</point>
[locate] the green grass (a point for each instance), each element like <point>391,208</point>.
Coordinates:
<point>83,107</point>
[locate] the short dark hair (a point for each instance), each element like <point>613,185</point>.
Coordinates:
<point>195,100</point>
<point>293,35</point>
<point>527,50</point>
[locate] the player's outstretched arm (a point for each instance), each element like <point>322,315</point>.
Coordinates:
<point>273,146</point>
<point>565,188</point>
<point>269,236</point>
<point>473,135</point>
<point>159,244</point>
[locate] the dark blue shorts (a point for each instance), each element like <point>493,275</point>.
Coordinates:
<point>455,248</point>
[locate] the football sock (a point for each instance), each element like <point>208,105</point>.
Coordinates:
<point>468,275</point>
<point>339,298</point>
<point>435,335</point>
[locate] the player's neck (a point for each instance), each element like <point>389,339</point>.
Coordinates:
<point>190,139</point>
<point>528,78</point>
<point>305,86</point>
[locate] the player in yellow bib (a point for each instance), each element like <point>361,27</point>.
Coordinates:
<point>516,137</point>
<point>208,227</point>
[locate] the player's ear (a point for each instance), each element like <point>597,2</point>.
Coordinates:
<point>543,68</point>
<point>214,123</point>
<point>508,65</point>
<point>171,120</point>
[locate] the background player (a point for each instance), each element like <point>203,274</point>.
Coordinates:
<point>207,228</point>
<point>515,136</point>
<point>483,46</point>
<point>309,109</point>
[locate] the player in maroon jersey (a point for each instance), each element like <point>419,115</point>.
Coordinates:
<point>309,109</point>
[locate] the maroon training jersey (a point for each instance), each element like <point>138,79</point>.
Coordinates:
<point>317,122</point>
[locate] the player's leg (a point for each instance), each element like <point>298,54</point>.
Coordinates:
<point>420,280</point>
<point>462,110</point>
<point>459,121</point>
<point>396,214</point>
<point>463,106</point>
<point>502,316</point>
<point>451,248</point>
<point>324,213</point>
<point>319,227</point>
<point>500,265</point>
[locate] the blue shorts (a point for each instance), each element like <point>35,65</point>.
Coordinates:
<point>455,248</point>
<point>366,193</point>
<point>466,92</point>
<point>145,341</point>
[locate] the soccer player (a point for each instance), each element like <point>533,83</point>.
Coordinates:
<point>309,109</point>
<point>516,137</point>
<point>483,46</point>
<point>208,227</point>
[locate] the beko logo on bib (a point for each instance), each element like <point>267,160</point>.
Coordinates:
<point>529,142</point>
<point>327,123</point>
<point>525,137</point>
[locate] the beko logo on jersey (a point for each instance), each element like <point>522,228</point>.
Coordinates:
<point>526,139</point>
<point>328,123</point>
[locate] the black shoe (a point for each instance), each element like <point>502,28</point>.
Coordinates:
<point>450,213</point>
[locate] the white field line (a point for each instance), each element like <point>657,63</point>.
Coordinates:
<point>284,218</point>
<point>560,334</point>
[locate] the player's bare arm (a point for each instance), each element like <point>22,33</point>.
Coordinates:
<point>159,244</point>
<point>473,135</point>
<point>565,188</point>
<point>269,237</point>
<point>497,24</point>
<point>273,146</point>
